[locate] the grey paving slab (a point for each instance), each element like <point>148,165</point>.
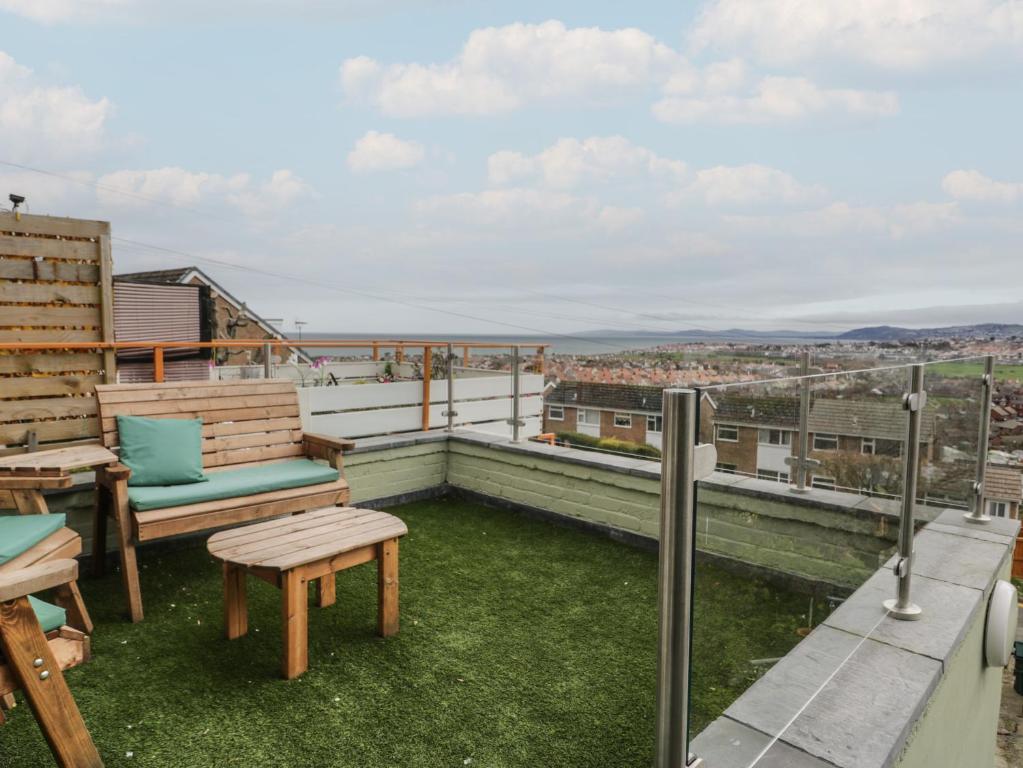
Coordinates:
<point>947,608</point>
<point>970,532</point>
<point>844,699</point>
<point>957,559</point>
<point>728,744</point>
<point>999,525</point>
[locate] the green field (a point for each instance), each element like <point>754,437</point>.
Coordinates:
<point>963,369</point>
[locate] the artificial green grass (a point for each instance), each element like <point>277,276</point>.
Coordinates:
<point>521,644</point>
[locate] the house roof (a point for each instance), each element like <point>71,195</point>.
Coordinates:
<point>622,397</point>
<point>157,276</point>
<point>1003,483</point>
<point>883,419</point>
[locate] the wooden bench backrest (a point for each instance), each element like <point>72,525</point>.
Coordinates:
<point>250,421</point>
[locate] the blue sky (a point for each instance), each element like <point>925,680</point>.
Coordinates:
<point>752,163</point>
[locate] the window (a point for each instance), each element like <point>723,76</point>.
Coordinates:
<point>729,468</point>
<point>770,474</point>
<point>825,442</point>
<point>588,416</point>
<point>868,446</point>
<point>556,412</point>
<point>653,423</point>
<point>826,483</point>
<point>623,420</point>
<point>998,508</point>
<point>774,437</point>
<point>727,433</point>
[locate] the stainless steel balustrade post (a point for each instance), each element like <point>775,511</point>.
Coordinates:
<point>679,415</point>
<point>978,514</point>
<point>516,421</point>
<point>901,607</point>
<point>450,412</point>
<point>268,365</point>
<point>804,418</point>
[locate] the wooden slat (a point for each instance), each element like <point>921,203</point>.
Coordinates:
<point>17,484</point>
<point>20,450</point>
<point>328,547</point>
<point>53,336</point>
<point>252,547</point>
<point>230,538</point>
<point>199,405</point>
<point>106,313</point>
<point>245,510</point>
<point>28,269</point>
<point>255,440</point>
<point>186,390</point>
<point>250,455</point>
<point>228,428</point>
<point>231,414</point>
<point>45,247</point>
<point>44,317</point>
<point>37,386</point>
<point>46,408</point>
<point>62,459</point>
<point>49,431</point>
<point>57,362</point>
<point>49,293</point>
<point>60,545</point>
<point>53,225</point>
<point>28,581</point>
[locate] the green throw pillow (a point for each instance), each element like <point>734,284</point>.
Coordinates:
<point>161,451</point>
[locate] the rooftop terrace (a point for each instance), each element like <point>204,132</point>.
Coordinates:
<point>523,643</point>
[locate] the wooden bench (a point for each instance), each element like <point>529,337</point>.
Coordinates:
<point>247,424</point>
<point>289,553</point>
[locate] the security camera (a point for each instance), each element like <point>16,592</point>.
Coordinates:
<point>16,199</point>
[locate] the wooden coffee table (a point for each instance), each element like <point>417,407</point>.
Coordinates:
<point>292,551</point>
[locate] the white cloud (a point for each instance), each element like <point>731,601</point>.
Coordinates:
<point>840,218</point>
<point>570,162</point>
<point>177,186</point>
<point>53,11</point>
<point>753,183</point>
<point>500,69</point>
<point>973,185</point>
<point>384,152</point>
<point>896,34</point>
<point>773,99</point>
<point>534,210</point>
<point>44,121</point>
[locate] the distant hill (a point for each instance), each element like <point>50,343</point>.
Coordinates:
<point>893,333</point>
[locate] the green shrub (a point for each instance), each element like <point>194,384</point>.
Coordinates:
<point>610,444</point>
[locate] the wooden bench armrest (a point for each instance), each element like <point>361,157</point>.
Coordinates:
<point>116,472</point>
<point>36,578</point>
<point>338,443</point>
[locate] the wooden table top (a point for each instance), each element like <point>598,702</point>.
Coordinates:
<point>59,461</point>
<point>290,542</point>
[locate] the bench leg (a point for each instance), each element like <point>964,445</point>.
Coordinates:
<point>387,587</point>
<point>126,543</point>
<point>30,502</point>
<point>22,641</point>
<point>68,597</point>
<point>326,590</point>
<point>99,531</point>
<point>236,609</point>
<point>295,620</point>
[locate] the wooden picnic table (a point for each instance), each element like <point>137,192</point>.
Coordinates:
<point>290,552</point>
<point>23,477</point>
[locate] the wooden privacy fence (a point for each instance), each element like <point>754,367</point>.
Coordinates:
<point>55,287</point>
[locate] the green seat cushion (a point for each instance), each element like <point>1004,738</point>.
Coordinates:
<point>161,451</point>
<point>19,533</point>
<point>232,483</point>
<point>50,616</point>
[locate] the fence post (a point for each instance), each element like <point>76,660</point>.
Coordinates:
<point>157,364</point>
<point>376,350</point>
<point>978,513</point>
<point>516,420</point>
<point>268,365</point>
<point>399,354</point>
<point>465,357</point>
<point>450,412</point>
<point>802,462</point>
<point>427,372</point>
<point>674,577</point>
<point>901,607</point>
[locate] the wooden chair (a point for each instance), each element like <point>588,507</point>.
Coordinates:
<point>252,435</point>
<point>35,649</point>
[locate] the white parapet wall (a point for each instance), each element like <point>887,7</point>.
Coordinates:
<point>483,403</point>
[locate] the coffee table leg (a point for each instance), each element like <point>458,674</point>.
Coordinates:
<point>387,587</point>
<point>295,619</point>
<point>326,590</point>
<point>236,609</point>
